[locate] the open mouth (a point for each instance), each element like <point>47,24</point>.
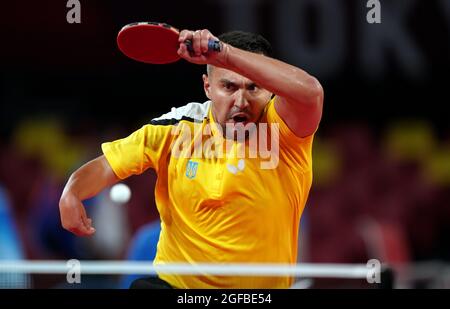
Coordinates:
<point>240,118</point>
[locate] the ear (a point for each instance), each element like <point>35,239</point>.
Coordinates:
<point>206,86</point>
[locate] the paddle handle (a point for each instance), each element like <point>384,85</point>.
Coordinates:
<point>213,45</point>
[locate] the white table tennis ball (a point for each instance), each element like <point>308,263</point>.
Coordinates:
<point>120,193</point>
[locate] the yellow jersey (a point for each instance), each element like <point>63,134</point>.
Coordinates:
<point>213,209</point>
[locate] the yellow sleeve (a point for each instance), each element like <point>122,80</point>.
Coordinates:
<point>139,151</point>
<point>296,151</point>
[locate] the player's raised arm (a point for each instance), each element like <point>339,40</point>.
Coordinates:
<point>84,183</point>
<point>299,95</point>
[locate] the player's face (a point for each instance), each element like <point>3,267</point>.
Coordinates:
<point>236,99</point>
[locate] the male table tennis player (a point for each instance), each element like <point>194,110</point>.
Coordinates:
<point>219,210</point>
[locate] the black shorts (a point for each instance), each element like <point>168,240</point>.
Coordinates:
<point>150,283</point>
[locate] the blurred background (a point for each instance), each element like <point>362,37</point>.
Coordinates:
<point>381,155</point>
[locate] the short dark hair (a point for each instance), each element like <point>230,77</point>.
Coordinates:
<point>248,41</point>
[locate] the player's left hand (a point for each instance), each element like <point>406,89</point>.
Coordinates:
<point>200,54</point>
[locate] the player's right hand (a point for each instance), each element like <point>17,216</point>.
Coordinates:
<point>200,53</point>
<point>73,216</point>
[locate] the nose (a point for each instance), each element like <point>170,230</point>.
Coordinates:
<point>241,101</point>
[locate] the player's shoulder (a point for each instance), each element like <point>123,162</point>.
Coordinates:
<point>192,111</point>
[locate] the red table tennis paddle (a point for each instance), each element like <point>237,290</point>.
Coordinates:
<point>153,42</point>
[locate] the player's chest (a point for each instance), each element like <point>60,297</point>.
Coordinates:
<point>199,179</point>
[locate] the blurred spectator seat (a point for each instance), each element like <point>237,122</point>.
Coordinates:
<point>10,245</point>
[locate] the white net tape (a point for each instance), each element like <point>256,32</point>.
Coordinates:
<point>148,268</point>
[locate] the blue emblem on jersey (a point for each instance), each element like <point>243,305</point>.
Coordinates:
<point>191,169</point>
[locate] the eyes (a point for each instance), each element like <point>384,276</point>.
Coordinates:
<point>252,87</point>
<point>229,86</point>
<point>232,87</point>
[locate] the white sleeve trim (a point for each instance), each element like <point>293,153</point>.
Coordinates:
<point>197,111</point>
